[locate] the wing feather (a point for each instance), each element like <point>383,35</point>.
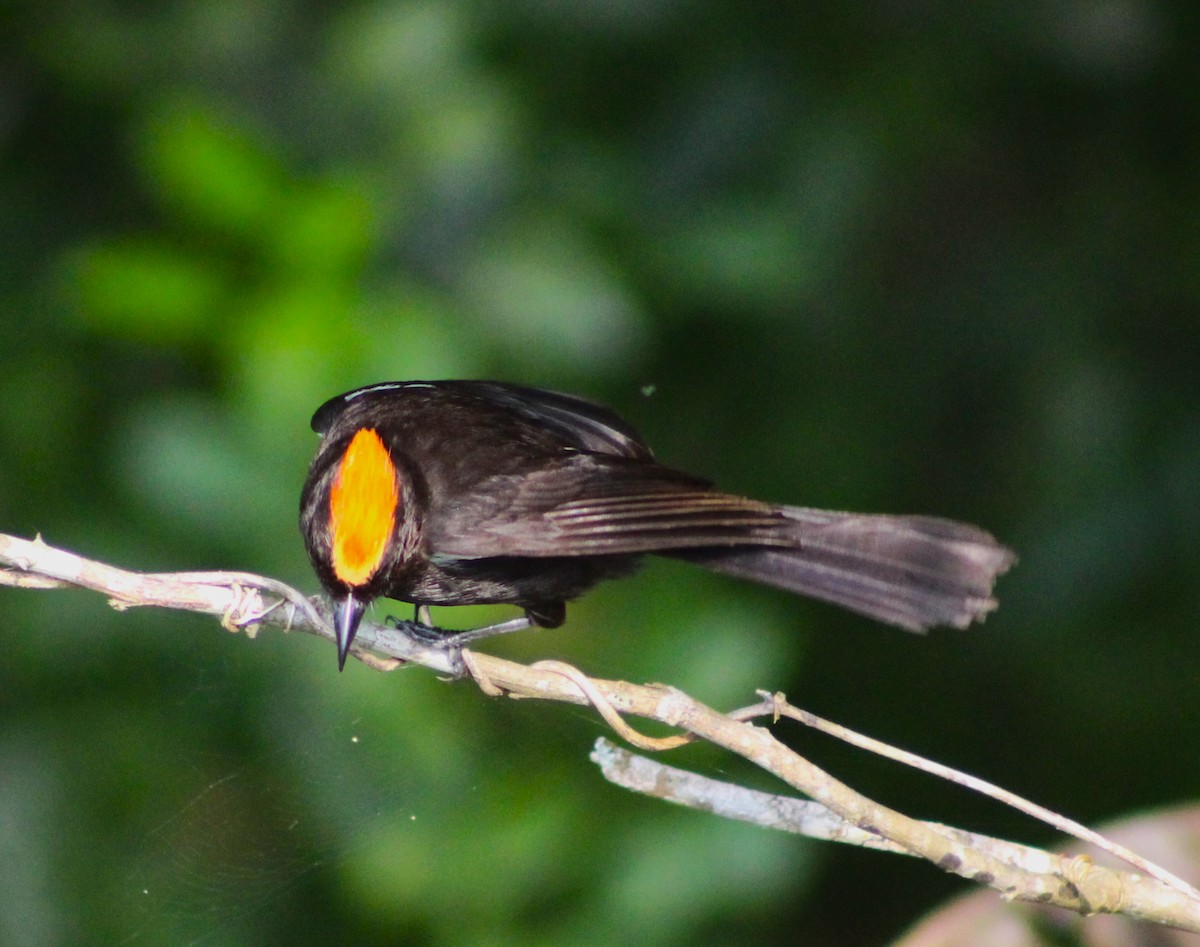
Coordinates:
<point>600,505</point>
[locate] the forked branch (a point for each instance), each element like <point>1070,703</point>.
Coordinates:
<point>247,602</point>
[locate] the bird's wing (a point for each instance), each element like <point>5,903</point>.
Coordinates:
<point>598,505</point>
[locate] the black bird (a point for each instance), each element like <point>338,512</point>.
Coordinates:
<point>471,492</point>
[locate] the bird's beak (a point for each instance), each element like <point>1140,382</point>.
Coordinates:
<point>347,613</point>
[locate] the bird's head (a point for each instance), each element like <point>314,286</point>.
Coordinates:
<point>349,513</point>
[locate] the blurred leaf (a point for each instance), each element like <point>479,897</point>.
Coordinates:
<point>145,290</point>
<point>213,172</point>
<point>323,228</point>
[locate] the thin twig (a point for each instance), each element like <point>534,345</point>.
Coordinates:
<point>606,710</point>
<point>984,788</point>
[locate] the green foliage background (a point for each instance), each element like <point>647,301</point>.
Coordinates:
<point>892,257</point>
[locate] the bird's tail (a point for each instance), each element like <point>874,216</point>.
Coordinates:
<point>910,571</point>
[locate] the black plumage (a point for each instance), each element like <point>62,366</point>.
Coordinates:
<point>506,494</point>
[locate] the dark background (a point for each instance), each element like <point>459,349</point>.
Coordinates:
<point>907,257</point>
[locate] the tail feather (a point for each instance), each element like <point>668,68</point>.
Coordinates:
<point>912,571</point>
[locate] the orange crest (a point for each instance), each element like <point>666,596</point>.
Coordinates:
<point>362,508</point>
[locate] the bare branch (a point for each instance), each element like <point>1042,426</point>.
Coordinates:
<point>984,788</point>
<point>730,801</point>
<point>244,601</point>
<point>1115,892</point>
